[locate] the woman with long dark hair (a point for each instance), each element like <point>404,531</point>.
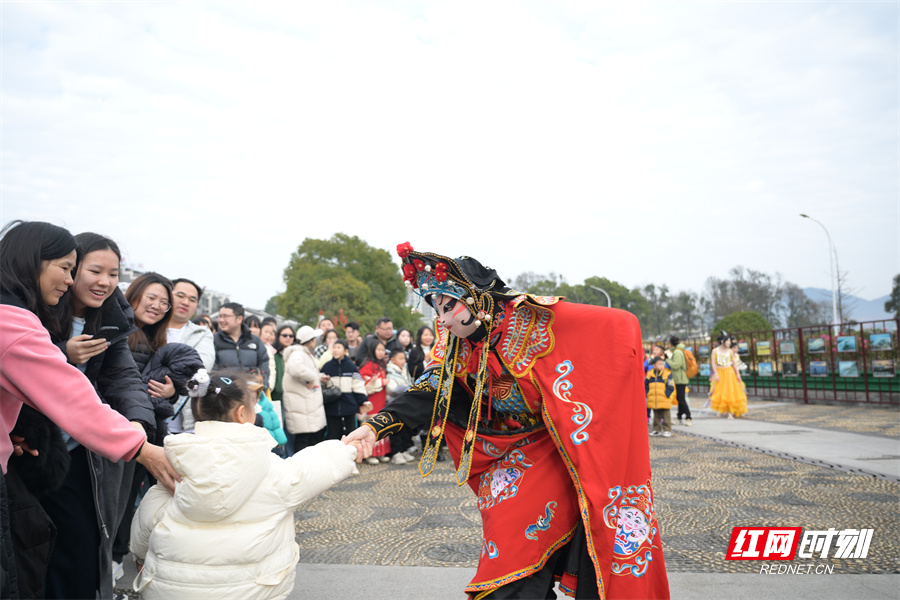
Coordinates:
<point>284,337</point>
<point>95,321</point>
<point>36,264</point>
<point>405,340</point>
<point>420,352</point>
<point>373,370</point>
<point>150,295</point>
<point>165,369</point>
<point>322,352</point>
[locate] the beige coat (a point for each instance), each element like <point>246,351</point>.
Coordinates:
<point>303,408</point>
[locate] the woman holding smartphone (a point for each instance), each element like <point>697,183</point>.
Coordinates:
<point>95,321</point>
<point>36,261</point>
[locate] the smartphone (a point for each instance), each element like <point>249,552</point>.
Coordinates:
<point>105,331</point>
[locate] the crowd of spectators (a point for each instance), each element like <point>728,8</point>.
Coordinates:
<point>74,469</point>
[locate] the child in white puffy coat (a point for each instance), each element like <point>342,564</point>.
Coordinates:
<point>228,532</point>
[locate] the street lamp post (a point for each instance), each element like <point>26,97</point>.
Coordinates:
<point>608,301</point>
<point>831,253</point>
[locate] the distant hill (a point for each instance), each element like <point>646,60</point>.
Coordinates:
<point>862,310</point>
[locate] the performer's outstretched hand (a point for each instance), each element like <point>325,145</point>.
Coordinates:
<point>364,439</point>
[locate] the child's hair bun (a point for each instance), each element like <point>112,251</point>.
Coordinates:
<point>214,395</point>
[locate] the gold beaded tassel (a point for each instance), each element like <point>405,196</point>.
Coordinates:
<point>465,459</point>
<point>440,411</point>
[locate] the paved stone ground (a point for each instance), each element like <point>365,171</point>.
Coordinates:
<point>390,515</point>
<point>872,420</point>
<point>704,489</point>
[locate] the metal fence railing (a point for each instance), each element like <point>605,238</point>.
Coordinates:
<point>851,362</point>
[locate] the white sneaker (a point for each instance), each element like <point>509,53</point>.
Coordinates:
<point>384,459</point>
<point>355,470</point>
<point>398,459</point>
<point>654,433</point>
<point>667,434</point>
<point>118,571</point>
<point>409,457</point>
<point>689,423</point>
<point>372,460</point>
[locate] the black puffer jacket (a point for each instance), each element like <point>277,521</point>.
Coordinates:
<point>114,373</point>
<point>246,353</point>
<point>29,478</point>
<point>179,362</point>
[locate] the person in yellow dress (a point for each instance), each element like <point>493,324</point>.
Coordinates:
<point>727,395</point>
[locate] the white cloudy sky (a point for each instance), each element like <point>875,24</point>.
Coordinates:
<point>646,142</point>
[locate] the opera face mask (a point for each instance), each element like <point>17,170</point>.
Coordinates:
<point>454,315</point>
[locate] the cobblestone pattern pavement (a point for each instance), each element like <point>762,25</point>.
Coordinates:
<point>704,489</point>
<point>390,515</point>
<point>875,420</point>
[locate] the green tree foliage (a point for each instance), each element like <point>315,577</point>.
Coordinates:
<point>685,313</point>
<point>800,310</point>
<point>658,319</point>
<point>740,322</point>
<point>662,312</point>
<point>893,304</point>
<point>554,285</point>
<point>621,296</point>
<point>745,290</point>
<point>344,272</point>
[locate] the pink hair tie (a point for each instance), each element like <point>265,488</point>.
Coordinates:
<point>218,390</point>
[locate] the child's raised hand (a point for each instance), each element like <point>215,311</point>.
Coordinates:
<point>363,439</point>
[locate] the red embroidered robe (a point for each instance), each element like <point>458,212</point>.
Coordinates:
<point>579,370</point>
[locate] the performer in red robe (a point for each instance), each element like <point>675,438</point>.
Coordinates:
<point>551,436</point>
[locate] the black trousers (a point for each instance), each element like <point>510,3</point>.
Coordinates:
<point>572,558</point>
<point>339,426</point>
<point>400,442</point>
<point>9,585</point>
<point>123,534</point>
<point>683,408</point>
<point>75,562</point>
<point>305,440</point>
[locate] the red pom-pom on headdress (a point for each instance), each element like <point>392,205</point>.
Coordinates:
<point>404,249</point>
<point>440,271</point>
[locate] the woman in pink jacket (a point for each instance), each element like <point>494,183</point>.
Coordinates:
<point>36,263</point>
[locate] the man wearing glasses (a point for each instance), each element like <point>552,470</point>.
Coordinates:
<point>236,346</point>
<point>185,297</point>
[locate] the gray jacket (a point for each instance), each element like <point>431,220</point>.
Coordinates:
<point>200,339</point>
